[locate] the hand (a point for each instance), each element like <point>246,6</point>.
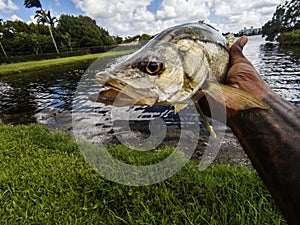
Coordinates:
<point>270,138</point>
<point>242,74</point>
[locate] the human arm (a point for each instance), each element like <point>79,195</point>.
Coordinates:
<point>271,138</point>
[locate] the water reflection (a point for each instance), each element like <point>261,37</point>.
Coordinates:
<point>24,95</point>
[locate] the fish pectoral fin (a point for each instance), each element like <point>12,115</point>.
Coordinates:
<point>179,107</point>
<point>234,98</point>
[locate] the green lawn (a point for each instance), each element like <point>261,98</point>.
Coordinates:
<point>45,180</point>
<point>6,69</point>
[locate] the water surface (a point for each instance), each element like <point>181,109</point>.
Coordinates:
<point>24,95</point>
<point>279,66</point>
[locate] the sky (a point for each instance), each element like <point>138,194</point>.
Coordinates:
<point>132,17</point>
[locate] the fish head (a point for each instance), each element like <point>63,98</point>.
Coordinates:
<point>158,74</point>
<point>168,70</point>
<point>180,65</point>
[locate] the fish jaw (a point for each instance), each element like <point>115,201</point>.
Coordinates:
<point>124,84</point>
<point>118,93</point>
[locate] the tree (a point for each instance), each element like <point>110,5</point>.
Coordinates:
<point>83,31</point>
<point>19,38</point>
<point>46,18</point>
<point>43,17</point>
<point>1,34</point>
<point>32,3</point>
<point>286,18</point>
<point>67,37</point>
<point>118,39</point>
<point>145,37</point>
<point>292,15</point>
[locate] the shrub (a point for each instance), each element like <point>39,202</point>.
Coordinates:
<point>290,38</point>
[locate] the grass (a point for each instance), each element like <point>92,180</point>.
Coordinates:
<point>6,69</point>
<point>45,180</point>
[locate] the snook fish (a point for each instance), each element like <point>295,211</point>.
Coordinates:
<point>181,63</point>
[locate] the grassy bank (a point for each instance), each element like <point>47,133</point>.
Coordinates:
<point>6,69</point>
<point>45,180</point>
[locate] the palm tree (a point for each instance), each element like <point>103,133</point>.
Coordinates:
<point>32,3</point>
<point>43,17</point>
<point>3,50</point>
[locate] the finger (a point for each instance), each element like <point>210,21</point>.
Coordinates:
<point>236,50</point>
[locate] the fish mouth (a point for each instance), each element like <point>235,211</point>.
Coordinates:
<point>118,93</point>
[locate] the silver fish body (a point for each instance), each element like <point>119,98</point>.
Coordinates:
<point>169,69</point>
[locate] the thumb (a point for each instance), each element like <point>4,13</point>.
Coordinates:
<point>236,50</point>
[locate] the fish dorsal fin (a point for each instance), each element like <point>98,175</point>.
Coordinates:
<point>234,99</point>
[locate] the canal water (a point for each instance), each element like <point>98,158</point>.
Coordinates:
<point>24,96</point>
<point>279,66</point>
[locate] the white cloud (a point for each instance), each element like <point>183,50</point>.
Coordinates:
<point>182,10</point>
<point>127,17</point>
<point>131,17</point>
<point>236,14</point>
<point>15,17</point>
<point>32,20</point>
<point>7,6</point>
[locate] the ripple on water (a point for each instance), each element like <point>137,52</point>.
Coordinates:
<point>22,96</point>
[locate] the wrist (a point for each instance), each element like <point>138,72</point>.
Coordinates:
<point>282,116</point>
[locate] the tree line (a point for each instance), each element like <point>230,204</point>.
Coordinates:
<point>285,24</point>
<point>71,32</point>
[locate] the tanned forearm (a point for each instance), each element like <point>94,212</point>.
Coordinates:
<point>271,139</point>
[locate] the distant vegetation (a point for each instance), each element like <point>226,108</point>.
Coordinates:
<point>285,24</point>
<point>71,33</point>
<point>290,38</point>
<point>73,36</point>
<point>143,37</point>
<point>51,38</point>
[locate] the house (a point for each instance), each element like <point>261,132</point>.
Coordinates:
<point>250,31</point>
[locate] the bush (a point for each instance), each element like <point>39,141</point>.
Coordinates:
<point>290,38</point>
<point>100,49</point>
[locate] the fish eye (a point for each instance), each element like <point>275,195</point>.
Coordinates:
<point>149,64</point>
<point>153,67</point>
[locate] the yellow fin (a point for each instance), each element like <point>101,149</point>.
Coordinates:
<point>234,98</point>
<point>208,126</point>
<point>179,107</point>
<point>230,38</point>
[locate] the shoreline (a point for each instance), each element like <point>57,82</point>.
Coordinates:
<point>230,152</point>
<point>17,68</point>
